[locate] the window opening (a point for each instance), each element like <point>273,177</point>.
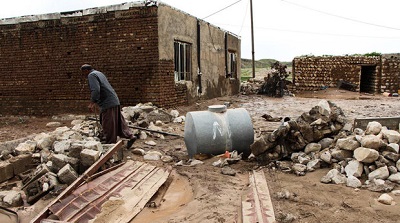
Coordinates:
<point>183,64</point>
<point>232,65</point>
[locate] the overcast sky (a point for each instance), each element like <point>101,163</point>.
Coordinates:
<point>283,29</point>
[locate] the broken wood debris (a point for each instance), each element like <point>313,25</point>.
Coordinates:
<point>89,172</point>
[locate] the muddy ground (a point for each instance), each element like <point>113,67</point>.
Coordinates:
<point>202,194</point>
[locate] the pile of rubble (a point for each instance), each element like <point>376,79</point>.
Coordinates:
<point>324,138</point>
<point>49,162</point>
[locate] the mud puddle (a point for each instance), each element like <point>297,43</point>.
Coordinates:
<point>176,196</point>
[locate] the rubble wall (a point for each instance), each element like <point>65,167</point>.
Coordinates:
<point>390,73</point>
<point>313,73</point>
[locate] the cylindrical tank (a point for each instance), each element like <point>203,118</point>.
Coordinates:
<point>218,130</point>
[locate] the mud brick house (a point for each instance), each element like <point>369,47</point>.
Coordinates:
<point>150,53</point>
<point>370,74</point>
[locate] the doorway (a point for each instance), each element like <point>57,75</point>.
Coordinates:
<point>368,79</point>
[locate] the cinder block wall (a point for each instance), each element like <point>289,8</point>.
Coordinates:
<point>312,73</point>
<point>40,61</point>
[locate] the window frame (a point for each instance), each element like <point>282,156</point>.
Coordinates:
<point>182,61</point>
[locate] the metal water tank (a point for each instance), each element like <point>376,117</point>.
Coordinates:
<point>218,130</point>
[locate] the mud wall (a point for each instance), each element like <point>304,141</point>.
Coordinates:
<point>177,25</point>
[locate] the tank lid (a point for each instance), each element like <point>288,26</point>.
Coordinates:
<point>217,108</point>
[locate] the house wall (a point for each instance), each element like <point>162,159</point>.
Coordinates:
<point>313,73</point>
<point>390,73</point>
<point>40,60</point>
<point>177,25</point>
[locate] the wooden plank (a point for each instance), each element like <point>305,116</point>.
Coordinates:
<point>133,199</point>
<point>257,205</point>
<point>89,172</point>
<point>390,122</point>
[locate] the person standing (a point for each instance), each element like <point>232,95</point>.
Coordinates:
<point>103,95</point>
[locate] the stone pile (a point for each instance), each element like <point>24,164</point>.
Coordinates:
<point>323,138</point>
<point>251,86</point>
<point>62,155</point>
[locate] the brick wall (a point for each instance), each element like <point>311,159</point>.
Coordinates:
<point>313,73</point>
<point>40,62</point>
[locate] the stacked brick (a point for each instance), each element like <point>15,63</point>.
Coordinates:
<point>40,62</point>
<point>390,74</point>
<point>315,73</point>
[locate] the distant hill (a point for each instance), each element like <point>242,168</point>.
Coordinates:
<point>263,63</point>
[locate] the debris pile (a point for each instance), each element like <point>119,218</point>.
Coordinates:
<point>49,162</point>
<point>323,138</point>
<point>274,84</point>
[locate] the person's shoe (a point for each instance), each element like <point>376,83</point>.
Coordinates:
<point>130,142</point>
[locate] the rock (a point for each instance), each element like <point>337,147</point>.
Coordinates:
<point>89,156</point>
<point>312,147</point>
<point>61,146</point>
<point>159,114</point>
<point>313,164</point>
<point>398,165</point>
<point>354,168</point>
<point>324,108</point>
<point>303,159</point>
<point>75,149</point>
<point>341,154</point>
<point>353,181</point>
<point>179,119</point>
<point>325,143</point>
<point>385,199</point>
<point>167,159</point>
<point>174,113</point>
<point>58,162</point>
<point>371,141</point>
<point>391,135</point>
<point>326,157</point>
<point>299,169</point>
<point>366,155</point>
<point>60,130</point>
<point>76,122</point>
<point>395,178</point>
<point>139,152</point>
<point>226,170</point>
<point>391,156</point>
<point>67,175</point>
<point>45,141</point>
<point>150,143</point>
<point>334,176</point>
<point>396,192</point>
<point>349,143</point>
<point>27,147</point>
<point>13,199</point>
<point>380,173</point>
<point>393,147</point>
<point>379,185</point>
<point>53,124</point>
<point>152,156</point>
<point>358,131</point>
<point>392,169</point>
<point>373,128</point>
<point>94,145</point>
